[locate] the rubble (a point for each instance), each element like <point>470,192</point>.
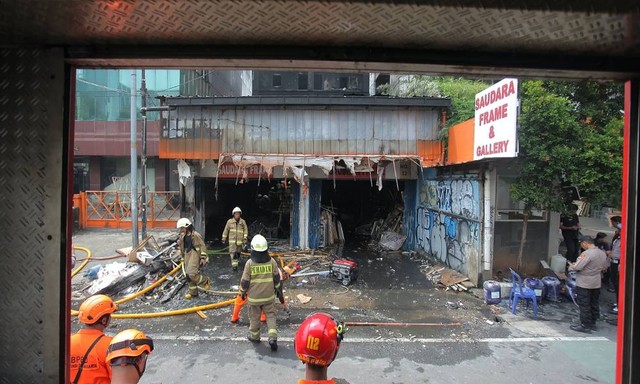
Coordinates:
<point>446,278</point>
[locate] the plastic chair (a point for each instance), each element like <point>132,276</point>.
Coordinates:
<point>519,291</point>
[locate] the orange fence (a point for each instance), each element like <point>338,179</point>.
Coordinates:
<point>112,209</point>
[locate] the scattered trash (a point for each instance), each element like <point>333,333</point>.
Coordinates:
<point>391,241</point>
<point>303,298</point>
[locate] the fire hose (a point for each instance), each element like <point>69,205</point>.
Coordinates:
<point>148,289</point>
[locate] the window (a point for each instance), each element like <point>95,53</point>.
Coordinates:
<point>508,209</point>
<point>317,81</point>
<point>276,80</point>
<point>344,82</point>
<point>303,81</point>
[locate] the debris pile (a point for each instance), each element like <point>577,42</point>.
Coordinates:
<point>331,231</point>
<point>446,278</point>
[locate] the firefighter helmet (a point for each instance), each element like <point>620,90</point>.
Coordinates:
<point>318,339</point>
<point>183,223</point>
<point>95,307</point>
<point>259,243</point>
<point>236,209</point>
<point>129,343</point>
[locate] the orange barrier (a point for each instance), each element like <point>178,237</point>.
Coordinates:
<point>112,209</point>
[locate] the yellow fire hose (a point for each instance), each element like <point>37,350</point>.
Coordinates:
<point>153,286</point>
<point>84,263</point>
<point>173,313</point>
<point>150,287</point>
<point>145,290</point>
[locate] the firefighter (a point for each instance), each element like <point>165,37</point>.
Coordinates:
<point>236,232</point>
<point>316,344</point>
<point>194,252</point>
<point>260,284</point>
<point>89,345</point>
<point>127,356</point>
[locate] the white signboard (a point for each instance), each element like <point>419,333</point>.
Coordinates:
<point>495,121</point>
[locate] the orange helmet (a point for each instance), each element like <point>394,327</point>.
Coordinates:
<point>318,339</point>
<point>129,343</point>
<point>95,307</point>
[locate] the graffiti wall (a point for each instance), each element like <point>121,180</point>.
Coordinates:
<point>448,222</point>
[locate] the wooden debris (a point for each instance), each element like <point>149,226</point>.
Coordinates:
<point>303,298</point>
<point>201,314</point>
<point>496,310</point>
<point>451,277</point>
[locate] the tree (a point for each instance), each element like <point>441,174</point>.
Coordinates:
<point>548,149</point>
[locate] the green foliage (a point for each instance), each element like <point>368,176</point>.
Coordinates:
<point>462,93</point>
<point>570,133</point>
<point>549,145</point>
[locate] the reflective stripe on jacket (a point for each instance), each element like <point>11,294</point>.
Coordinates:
<point>264,280</point>
<point>235,231</point>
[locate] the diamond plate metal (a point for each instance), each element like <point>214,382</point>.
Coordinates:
<point>592,27</point>
<point>30,195</point>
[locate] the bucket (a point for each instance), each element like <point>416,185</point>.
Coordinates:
<point>505,289</point>
<point>551,288</point>
<point>536,285</point>
<point>558,263</point>
<point>491,292</point>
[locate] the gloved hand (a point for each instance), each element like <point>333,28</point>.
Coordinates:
<point>243,295</point>
<point>204,261</point>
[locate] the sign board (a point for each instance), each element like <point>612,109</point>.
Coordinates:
<point>230,171</point>
<point>496,117</point>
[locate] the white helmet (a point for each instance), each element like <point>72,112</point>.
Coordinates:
<point>236,209</point>
<point>259,243</point>
<point>183,223</point>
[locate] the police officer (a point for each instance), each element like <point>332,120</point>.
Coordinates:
<point>194,252</point>
<point>127,356</point>
<point>260,284</point>
<point>236,232</point>
<point>89,345</point>
<point>316,344</point>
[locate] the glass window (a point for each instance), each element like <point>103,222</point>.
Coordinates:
<point>317,81</point>
<point>276,80</point>
<point>303,81</point>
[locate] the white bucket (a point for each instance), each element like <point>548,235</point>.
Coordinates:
<point>558,263</point>
<point>505,289</point>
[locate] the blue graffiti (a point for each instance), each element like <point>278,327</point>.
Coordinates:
<point>451,227</point>
<point>448,220</point>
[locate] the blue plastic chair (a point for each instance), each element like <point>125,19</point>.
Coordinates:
<point>519,291</point>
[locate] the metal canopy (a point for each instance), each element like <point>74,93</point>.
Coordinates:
<point>454,36</point>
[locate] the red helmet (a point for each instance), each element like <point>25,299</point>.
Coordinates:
<point>318,339</point>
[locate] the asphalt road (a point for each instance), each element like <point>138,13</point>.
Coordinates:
<point>518,349</point>
<point>510,360</point>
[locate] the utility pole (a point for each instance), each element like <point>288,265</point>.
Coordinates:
<point>144,156</point>
<point>134,163</point>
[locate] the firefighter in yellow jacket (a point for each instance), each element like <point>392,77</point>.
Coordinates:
<point>194,252</point>
<point>260,284</point>
<point>236,233</point>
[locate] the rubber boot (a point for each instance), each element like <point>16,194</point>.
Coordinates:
<point>237,307</point>
<point>273,343</point>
